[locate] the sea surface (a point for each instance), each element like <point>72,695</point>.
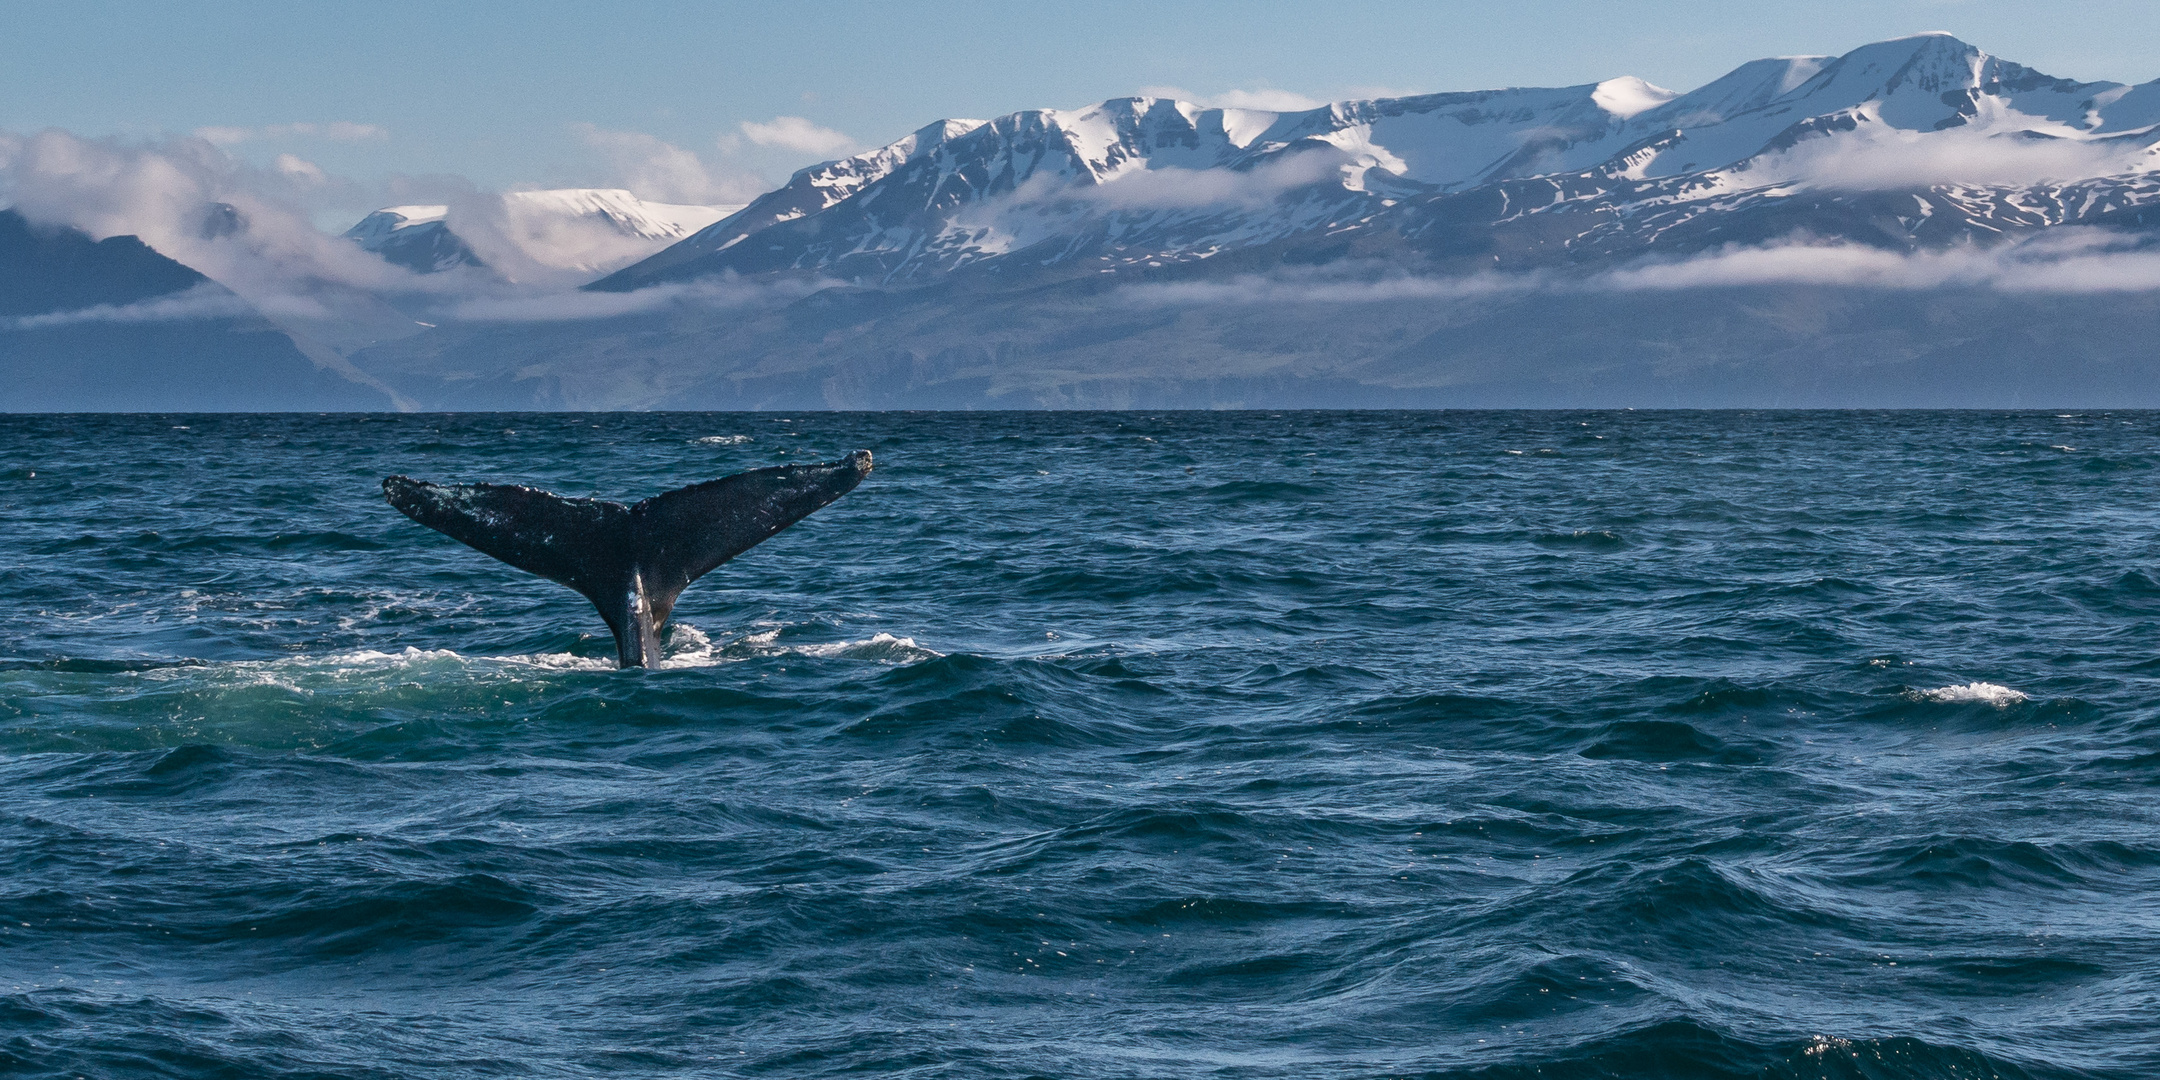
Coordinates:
<point>1095,745</point>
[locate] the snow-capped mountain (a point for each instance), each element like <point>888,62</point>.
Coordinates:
<point>584,230</point>
<point>808,192</point>
<point>1149,181</point>
<point>417,238</point>
<point>1914,223</point>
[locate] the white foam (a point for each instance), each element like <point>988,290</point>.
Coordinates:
<point>1992,693</point>
<point>880,646</point>
<point>688,647</point>
<point>560,661</point>
<point>722,440</point>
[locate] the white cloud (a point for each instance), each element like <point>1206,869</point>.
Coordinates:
<point>300,169</point>
<point>336,131</point>
<point>1309,287</point>
<point>245,227</point>
<point>2059,261</point>
<point>725,293</point>
<point>652,168</point>
<point>1630,96</point>
<point>201,302</point>
<point>2062,260</point>
<point>1264,99</point>
<point>797,134</point>
<point>248,228</point>
<point>1876,157</point>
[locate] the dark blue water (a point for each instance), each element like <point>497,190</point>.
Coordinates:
<point>1095,745</point>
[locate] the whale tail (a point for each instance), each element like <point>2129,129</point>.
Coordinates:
<point>630,561</point>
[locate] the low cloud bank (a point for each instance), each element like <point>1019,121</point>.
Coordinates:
<point>251,229</point>
<point>2065,261</point>
<point>1877,157</point>
<point>2062,260</point>
<point>200,302</point>
<point>1307,287</point>
<point>709,294</point>
<point>248,228</point>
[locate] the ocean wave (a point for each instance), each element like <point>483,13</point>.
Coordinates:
<point>1598,540</point>
<point>686,647</point>
<point>881,647</point>
<point>324,701</point>
<point>1274,773</point>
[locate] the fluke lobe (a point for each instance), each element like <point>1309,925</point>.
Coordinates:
<point>630,561</point>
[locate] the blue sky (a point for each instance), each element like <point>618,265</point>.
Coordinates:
<point>556,93</point>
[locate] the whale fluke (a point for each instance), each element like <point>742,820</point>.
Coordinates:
<point>630,561</point>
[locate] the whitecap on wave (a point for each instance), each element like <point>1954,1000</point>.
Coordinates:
<point>1994,694</point>
<point>721,440</point>
<point>689,647</point>
<point>304,673</point>
<point>412,657</point>
<point>880,646</point>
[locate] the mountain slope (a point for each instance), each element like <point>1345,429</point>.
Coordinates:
<point>1915,222</point>
<point>582,230</point>
<point>417,238</point>
<point>113,326</point>
<point>1106,344</point>
<point>1140,180</point>
<point>1906,224</point>
<point>807,192</point>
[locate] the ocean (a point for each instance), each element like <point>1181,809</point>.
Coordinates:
<point>1095,745</point>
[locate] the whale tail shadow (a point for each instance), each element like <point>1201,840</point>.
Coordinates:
<point>630,561</point>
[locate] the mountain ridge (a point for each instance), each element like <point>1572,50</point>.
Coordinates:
<point>914,217</point>
<point>1914,222</point>
<point>594,230</point>
<point>112,326</point>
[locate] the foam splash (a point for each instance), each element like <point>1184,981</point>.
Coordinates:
<point>721,440</point>
<point>1994,694</point>
<point>560,661</point>
<point>690,647</point>
<point>412,657</point>
<point>881,646</point>
<point>687,647</point>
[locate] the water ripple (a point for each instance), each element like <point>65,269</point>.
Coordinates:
<point>1449,745</point>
